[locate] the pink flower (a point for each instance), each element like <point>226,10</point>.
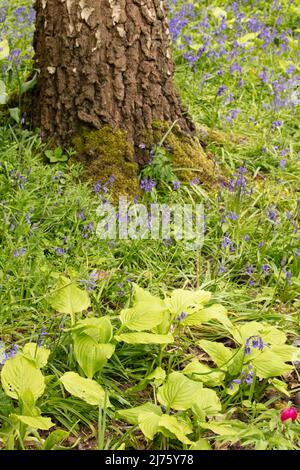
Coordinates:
<point>289,413</point>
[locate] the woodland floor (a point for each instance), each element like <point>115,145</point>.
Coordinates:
<point>218,377</point>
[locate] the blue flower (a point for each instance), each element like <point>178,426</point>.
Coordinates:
<point>147,184</point>
<point>255,342</point>
<point>221,90</point>
<point>176,185</point>
<point>182,316</point>
<point>41,336</point>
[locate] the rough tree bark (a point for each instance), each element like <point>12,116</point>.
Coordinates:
<point>104,62</point>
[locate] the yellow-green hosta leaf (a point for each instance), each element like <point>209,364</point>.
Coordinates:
<point>100,329</point>
<point>271,364</point>
<point>68,298</point>
<point>172,425</point>
<point>225,428</point>
<point>19,375</point>
<point>55,437</point>
<point>214,312</point>
<point>207,403</point>
<point>219,12</point>
<point>149,424</point>
<point>91,356</point>
<point>248,38</point>
<point>132,414</point>
<point>203,373</point>
<point>164,327</point>
<point>235,366</point>
<point>182,299</point>
<point>269,333</point>
<point>142,316</point>
<point>286,352</point>
<point>36,422</point>
<point>85,389</point>
<point>219,353</point>
<point>201,444</point>
<point>280,386</point>
<point>3,93</point>
<point>4,49</point>
<point>179,392</point>
<point>144,338</point>
<point>143,296</point>
<point>158,375</point>
<point>27,404</point>
<point>38,355</point>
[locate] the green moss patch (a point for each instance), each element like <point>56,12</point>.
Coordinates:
<point>189,160</point>
<point>106,153</point>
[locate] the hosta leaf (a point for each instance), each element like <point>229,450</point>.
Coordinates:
<point>149,424</point>
<point>174,426</point>
<point>203,373</point>
<point>226,428</point>
<point>100,329</point>
<point>201,444</point>
<point>15,114</point>
<point>90,355</point>
<point>271,364</point>
<point>143,316</point>
<point>36,422</point>
<point>217,351</point>
<point>249,37</point>
<point>179,392</point>
<point>214,312</point>
<point>27,404</point>
<point>26,86</point>
<point>158,375</point>
<point>142,295</point>
<point>38,355</point>
<point>56,437</point>
<point>86,389</point>
<point>68,298</point>
<point>19,375</point>
<point>3,93</point>
<point>181,300</point>
<point>207,403</point>
<point>286,352</point>
<point>132,414</point>
<point>4,49</point>
<point>144,338</point>
<point>235,366</point>
<point>280,386</point>
<point>269,333</point>
<point>219,12</point>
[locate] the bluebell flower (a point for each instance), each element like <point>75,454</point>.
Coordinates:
<point>182,316</point>
<point>80,215</point>
<point>227,243</point>
<point>42,334</point>
<point>265,268</point>
<point>176,185</point>
<point>221,90</point>
<point>147,184</point>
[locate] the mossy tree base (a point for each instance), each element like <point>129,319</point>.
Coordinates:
<point>106,153</point>
<point>189,159</point>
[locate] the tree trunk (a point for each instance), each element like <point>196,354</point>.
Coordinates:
<point>106,87</point>
<point>104,62</point>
